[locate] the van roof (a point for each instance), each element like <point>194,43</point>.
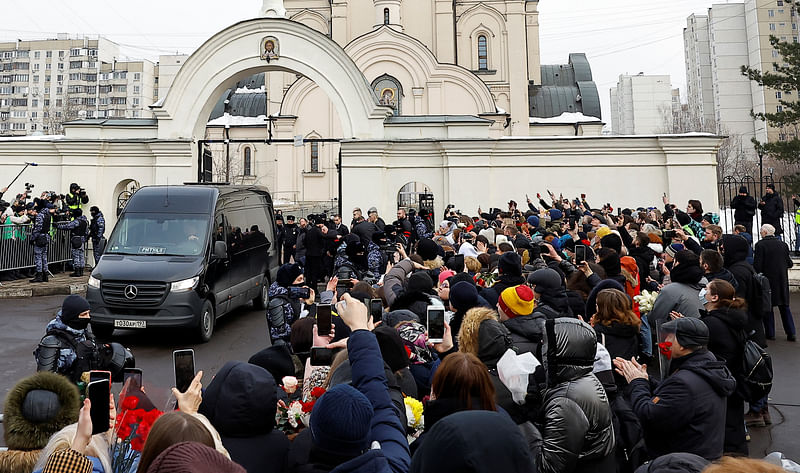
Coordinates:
<point>192,199</point>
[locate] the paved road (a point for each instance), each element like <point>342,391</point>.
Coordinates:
<point>243,333</point>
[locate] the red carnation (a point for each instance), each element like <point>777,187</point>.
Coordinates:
<point>137,443</point>
<point>124,431</point>
<point>308,406</point>
<point>130,402</point>
<point>665,349</point>
<point>317,392</point>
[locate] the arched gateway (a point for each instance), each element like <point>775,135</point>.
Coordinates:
<point>264,45</point>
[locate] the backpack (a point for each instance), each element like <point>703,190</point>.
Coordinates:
<point>760,298</point>
<point>630,451</point>
<point>756,378</point>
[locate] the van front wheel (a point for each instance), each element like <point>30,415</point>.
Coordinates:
<point>260,301</point>
<point>206,326</point>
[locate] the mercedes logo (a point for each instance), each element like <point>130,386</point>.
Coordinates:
<point>131,291</point>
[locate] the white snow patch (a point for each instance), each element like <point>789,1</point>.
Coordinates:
<point>500,110</point>
<point>566,117</point>
<point>245,90</point>
<point>236,120</point>
<point>32,138</point>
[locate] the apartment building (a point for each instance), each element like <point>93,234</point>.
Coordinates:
<point>729,36</point>
<point>46,82</point>
<point>641,104</point>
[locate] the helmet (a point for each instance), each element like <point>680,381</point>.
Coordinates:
<point>115,358</point>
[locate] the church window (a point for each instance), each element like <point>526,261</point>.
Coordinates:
<point>248,161</point>
<point>385,16</point>
<point>314,156</point>
<point>483,57</point>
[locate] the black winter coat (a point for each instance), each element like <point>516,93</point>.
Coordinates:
<point>772,211</point>
<point>576,420</point>
<point>686,411</point>
<point>744,208</point>
<point>526,333</point>
<point>772,258</point>
<point>240,403</point>
<point>621,341</point>
<point>491,294</point>
<point>735,252</point>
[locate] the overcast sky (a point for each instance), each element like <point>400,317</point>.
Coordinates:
<point>618,36</point>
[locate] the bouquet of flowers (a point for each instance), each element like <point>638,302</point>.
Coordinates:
<point>484,279</point>
<point>416,419</point>
<point>294,417</point>
<point>132,426</point>
<point>646,300</point>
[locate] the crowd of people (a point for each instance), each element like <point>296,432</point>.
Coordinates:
<point>31,220</point>
<point>576,339</point>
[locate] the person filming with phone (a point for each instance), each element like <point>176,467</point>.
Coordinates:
<point>289,300</point>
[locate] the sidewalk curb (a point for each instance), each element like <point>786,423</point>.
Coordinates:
<point>64,289</point>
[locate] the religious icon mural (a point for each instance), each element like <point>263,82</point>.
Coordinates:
<point>270,48</point>
<point>389,92</point>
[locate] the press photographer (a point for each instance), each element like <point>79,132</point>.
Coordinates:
<point>76,198</point>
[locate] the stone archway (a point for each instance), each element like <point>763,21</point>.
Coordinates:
<point>234,54</point>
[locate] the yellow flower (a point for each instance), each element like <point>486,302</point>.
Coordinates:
<point>414,412</point>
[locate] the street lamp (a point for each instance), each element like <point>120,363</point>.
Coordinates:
<point>760,171</point>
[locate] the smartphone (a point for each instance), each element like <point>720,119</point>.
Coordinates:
<point>583,196</point>
<point>134,374</point>
<point>321,356</point>
<point>375,309</point>
<point>100,375</point>
<point>98,393</point>
<point>668,234</point>
<point>435,324</point>
<point>459,262</point>
<point>183,363</point>
<point>299,293</point>
<point>323,319</point>
<point>580,254</point>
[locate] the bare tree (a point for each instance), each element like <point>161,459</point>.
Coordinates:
<point>56,114</point>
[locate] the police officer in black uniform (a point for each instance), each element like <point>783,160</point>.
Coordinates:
<point>78,233</point>
<point>291,232</point>
<point>97,229</point>
<point>69,347</point>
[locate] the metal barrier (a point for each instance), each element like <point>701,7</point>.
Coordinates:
<point>16,252</point>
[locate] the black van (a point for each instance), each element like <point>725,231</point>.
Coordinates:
<point>181,256</point>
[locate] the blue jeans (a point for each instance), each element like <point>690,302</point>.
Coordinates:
<point>646,336</point>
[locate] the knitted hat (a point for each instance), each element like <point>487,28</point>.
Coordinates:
<point>517,300</point>
<point>674,248</point>
<point>510,264</point>
<point>602,231</point>
<point>545,279</point>
<point>288,273</point>
<point>771,186</point>
<point>556,214</point>
<point>463,296</point>
<point>340,422</point>
<point>392,347</point>
<point>444,275</point>
<point>533,221</point>
<point>689,331</point>
<point>73,306</point>
<point>193,457</point>
<point>426,249</point>
<point>420,282</point>
<point>743,190</point>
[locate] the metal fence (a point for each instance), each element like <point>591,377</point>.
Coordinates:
<point>16,251</point>
<point>729,189</point>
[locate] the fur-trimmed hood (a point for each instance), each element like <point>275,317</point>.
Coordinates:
<point>24,434</point>
<point>435,263</point>
<point>488,341</point>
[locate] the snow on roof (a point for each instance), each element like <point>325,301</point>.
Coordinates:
<point>500,110</point>
<point>235,120</point>
<point>566,117</point>
<point>246,90</point>
<point>32,138</point>
<point>160,102</point>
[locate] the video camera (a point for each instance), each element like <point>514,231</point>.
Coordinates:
<point>28,187</point>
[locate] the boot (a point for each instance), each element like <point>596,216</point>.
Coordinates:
<point>81,271</point>
<point>754,419</point>
<point>37,278</point>
<point>765,415</point>
<point>45,277</point>
<point>76,273</point>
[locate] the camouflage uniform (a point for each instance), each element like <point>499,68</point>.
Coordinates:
<point>78,229</point>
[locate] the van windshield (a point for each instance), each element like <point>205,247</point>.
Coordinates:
<point>159,234</point>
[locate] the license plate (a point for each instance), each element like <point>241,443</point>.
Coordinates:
<point>130,323</point>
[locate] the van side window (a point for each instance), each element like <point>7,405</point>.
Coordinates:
<point>220,229</point>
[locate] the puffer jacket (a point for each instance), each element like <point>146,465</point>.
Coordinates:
<point>240,403</point>
<point>576,421</point>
